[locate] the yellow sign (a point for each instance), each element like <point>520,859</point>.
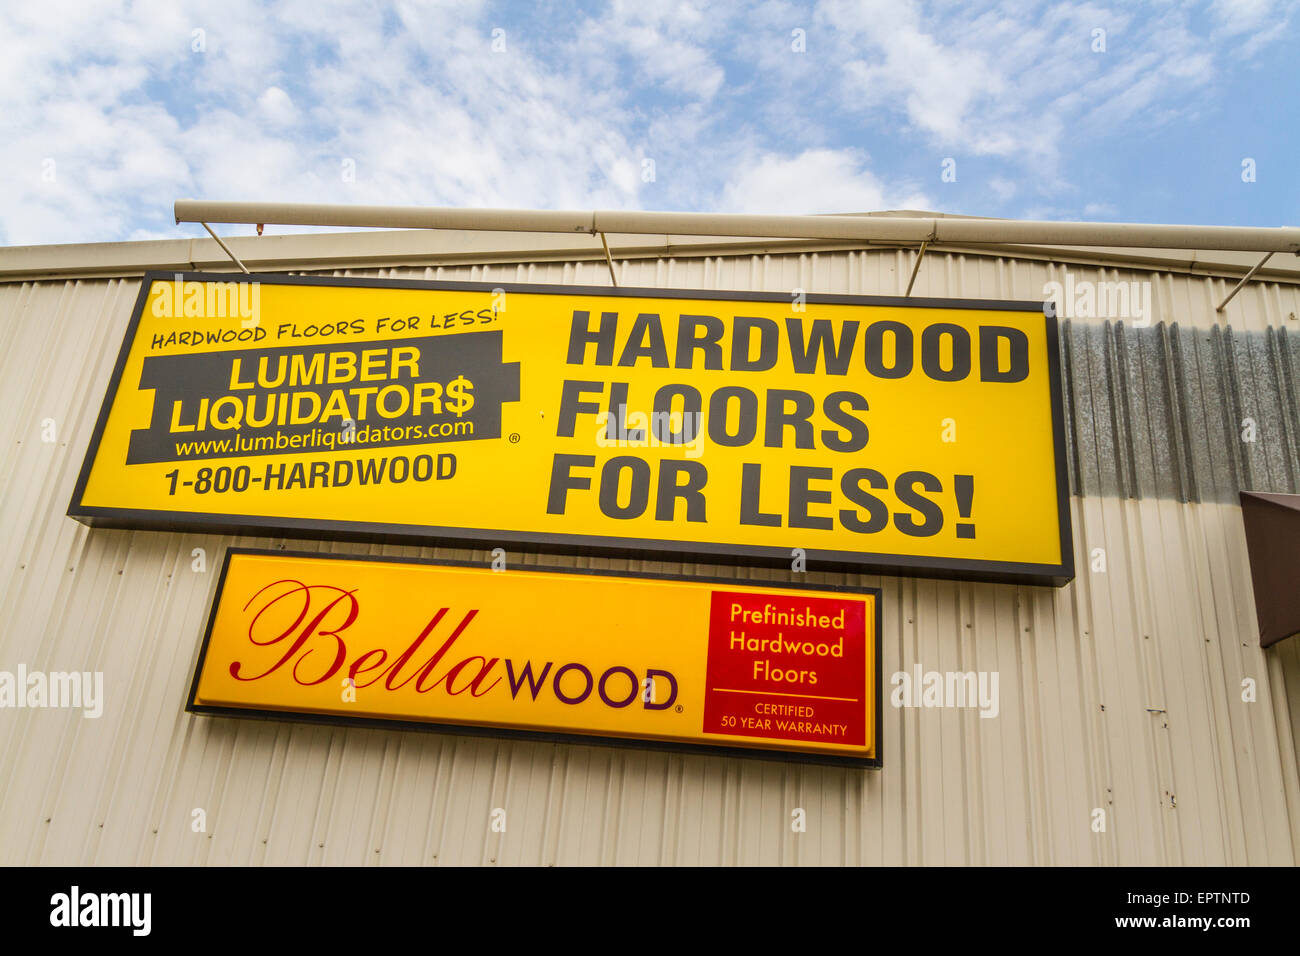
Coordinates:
<point>921,436</point>
<point>692,662</point>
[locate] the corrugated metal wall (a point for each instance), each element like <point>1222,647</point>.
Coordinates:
<point>1122,691</point>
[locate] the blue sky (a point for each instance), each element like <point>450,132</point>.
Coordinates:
<point>1121,111</point>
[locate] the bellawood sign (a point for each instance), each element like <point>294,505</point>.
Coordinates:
<point>561,652</point>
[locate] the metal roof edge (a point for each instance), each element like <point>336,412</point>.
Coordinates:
<point>310,251</point>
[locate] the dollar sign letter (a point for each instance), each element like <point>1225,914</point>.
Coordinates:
<point>460,400</point>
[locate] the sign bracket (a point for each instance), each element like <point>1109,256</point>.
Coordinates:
<point>609,261</point>
<point>242,268</point>
<point>916,267</point>
<point>1244,279</point>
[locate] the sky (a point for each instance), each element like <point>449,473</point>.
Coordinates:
<point>1139,112</point>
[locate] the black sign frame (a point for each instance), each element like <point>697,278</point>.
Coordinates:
<point>1055,575</point>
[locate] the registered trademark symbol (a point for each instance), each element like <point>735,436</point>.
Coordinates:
<point>679,708</point>
<point>514,438</point>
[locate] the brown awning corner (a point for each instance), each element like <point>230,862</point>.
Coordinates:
<point>1273,544</point>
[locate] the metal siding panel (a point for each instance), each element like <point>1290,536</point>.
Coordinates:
<point>1154,417</point>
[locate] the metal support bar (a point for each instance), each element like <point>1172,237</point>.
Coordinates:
<point>916,267</point>
<point>1244,279</point>
<point>609,260</point>
<point>883,229</point>
<point>243,268</point>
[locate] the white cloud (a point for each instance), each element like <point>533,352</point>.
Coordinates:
<point>816,181</point>
<point>1023,83</point>
<point>1002,189</point>
<point>1098,210</point>
<point>277,106</point>
<point>108,113</point>
<point>1256,22</point>
<point>665,41</point>
<point>936,83</point>
<point>271,107</point>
